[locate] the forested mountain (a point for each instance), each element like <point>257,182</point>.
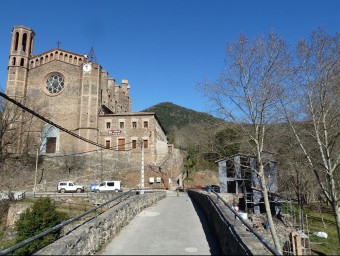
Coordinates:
<point>174,117</point>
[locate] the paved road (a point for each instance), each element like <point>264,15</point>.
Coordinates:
<point>172,226</point>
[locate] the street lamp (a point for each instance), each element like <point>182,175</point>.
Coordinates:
<point>142,170</point>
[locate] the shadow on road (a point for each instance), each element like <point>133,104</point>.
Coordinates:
<point>212,241</point>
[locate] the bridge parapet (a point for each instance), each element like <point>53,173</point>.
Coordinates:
<point>233,236</point>
<point>91,236</point>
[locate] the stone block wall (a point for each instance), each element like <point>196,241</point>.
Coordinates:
<point>233,237</point>
<point>93,235</point>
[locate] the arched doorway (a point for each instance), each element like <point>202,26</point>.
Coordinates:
<point>50,139</point>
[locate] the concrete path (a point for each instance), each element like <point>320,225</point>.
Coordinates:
<point>172,226</point>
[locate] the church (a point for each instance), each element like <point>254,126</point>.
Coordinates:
<point>75,92</point>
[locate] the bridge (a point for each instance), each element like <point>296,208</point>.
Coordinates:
<point>157,223</point>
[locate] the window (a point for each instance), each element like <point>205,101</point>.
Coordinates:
<point>108,125</point>
<point>24,42</point>
<point>146,124</point>
<point>121,144</point>
<point>121,125</point>
<point>146,143</point>
<point>55,84</point>
<point>134,143</point>
<point>134,124</point>
<point>230,169</point>
<point>16,41</point>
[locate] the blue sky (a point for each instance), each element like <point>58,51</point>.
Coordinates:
<point>164,48</point>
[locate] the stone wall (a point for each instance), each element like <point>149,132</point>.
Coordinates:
<point>233,237</point>
<point>93,235</point>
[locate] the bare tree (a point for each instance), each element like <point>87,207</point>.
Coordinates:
<point>17,133</point>
<point>316,101</point>
<point>295,180</point>
<point>247,92</point>
<point>9,130</point>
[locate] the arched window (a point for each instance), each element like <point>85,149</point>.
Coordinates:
<point>46,58</point>
<point>61,56</point>
<point>22,62</point>
<point>24,42</point>
<point>16,41</point>
<point>51,56</point>
<point>31,43</point>
<point>70,60</point>
<point>13,61</point>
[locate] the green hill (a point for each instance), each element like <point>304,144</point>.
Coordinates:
<point>174,117</point>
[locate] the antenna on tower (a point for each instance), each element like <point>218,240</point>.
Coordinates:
<point>91,56</point>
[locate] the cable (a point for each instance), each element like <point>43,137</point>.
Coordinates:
<point>116,148</point>
<point>56,125</point>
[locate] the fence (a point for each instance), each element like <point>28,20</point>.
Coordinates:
<point>96,210</point>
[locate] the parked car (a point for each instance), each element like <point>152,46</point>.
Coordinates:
<point>109,185</point>
<point>213,188</point>
<point>69,186</point>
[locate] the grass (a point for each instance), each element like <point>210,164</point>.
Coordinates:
<point>319,245</point>
<point>5,243</point>
<point>324,246</point>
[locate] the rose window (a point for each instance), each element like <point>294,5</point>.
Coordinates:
<point>55,84</point>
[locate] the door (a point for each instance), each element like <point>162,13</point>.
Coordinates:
<point>121,144</point>
<point>51,143</point>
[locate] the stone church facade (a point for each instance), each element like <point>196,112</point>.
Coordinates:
<point>78,95</point>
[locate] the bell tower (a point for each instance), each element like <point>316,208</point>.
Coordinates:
<point>18,66</point>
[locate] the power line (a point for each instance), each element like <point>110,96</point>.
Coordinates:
<point>52,123</point>
<point>64,129</point>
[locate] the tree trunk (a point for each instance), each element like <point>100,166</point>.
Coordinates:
<point>268,212</point>
<point>300,200</point>
<point>337,217</point>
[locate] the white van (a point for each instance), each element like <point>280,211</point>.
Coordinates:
<point>109,185</point>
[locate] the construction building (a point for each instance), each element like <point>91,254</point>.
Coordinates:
<point>238,175</point>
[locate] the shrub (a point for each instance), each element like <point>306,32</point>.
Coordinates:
<point>40,217</point>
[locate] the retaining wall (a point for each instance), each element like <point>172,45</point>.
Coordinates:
<point>91,236</point>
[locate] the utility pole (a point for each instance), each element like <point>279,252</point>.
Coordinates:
<point>36,170</point>
<point>142,170</point>
<point>101,164</point>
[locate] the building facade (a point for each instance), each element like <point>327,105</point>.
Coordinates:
<point>238,175</point>
<point>77,94</point>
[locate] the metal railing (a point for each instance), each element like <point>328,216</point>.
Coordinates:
<point>66,222</point>
<point>268,245</point>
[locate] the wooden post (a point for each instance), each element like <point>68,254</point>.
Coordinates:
<point>296,243</point>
